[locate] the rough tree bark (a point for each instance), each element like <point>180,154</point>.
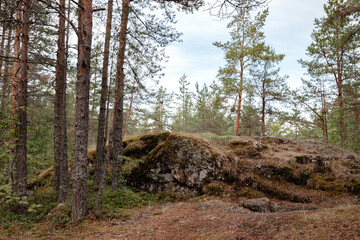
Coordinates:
<point>238,113</point>
<point>115,144</point>
<point>22,105</point>
<point>61,175</point>
<point>6,73</point>
<point>2,43</point>
<point>14,93</point>
<point>130,110</point>
<point>108,105</point>
<point>101,137</point>
<point>324,119</point>
<point>79,171</point>
<point>107,157</point>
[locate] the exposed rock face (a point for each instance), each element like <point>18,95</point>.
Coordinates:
<point>319,160</point>
<point>260,166</point>
<point>251,167</point>
<point>178,164</point>
<point>260,205</point>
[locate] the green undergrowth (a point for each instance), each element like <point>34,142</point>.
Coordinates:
<point>12,221</point>
<point>115,204</point>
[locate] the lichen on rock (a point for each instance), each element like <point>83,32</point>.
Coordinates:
<point>181,163</point>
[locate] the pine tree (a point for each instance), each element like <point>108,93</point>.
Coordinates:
<point>101,135</point>
<point>245,45</point>
<point>268,85</point>
<point>333,52</point>
<point>61,175</point>
<point>185,105</point>
<point>79,170</point>
<point>315,96</point>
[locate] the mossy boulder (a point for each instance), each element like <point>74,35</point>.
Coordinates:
<point>182,163</point>
<point>138,147</point>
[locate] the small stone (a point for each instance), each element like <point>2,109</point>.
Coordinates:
<point>260,205</point>
<point>203,174</point>
<point>168,177</point>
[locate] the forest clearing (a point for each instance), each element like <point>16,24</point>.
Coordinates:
<point>98,140</point>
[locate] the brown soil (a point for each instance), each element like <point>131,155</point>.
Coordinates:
<point>209,217</point>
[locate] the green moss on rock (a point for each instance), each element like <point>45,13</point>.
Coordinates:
<point>326,183</point>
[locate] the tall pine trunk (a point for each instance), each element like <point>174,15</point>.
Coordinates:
<point>357,135</point>
<point>107,157</point>
<point>101,135</point>
<point>129,111</point>
<point>22,105</point>
<point>263,102</point>
<point>116,142</point>
<point>14,95</point>
<point>6,72</point>
<point>79,171</point>
<point>2,43</point>
<point>238,113</point>
<point>61,178</point>
<point>324,117</point>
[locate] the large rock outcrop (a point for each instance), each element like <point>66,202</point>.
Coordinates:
<point>179,163</point>
<point>255,167</point>
<point>251,167</point>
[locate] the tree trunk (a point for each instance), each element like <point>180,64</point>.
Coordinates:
<point>22,105</point>
<point>6,74</point>
<point>240,98</point>
<point>324,119</point>
<point>339,81</point>
<point>60,159</point>
<point>93,101</point>
<point>79,171</point>
<point>116,142</point>
<point>2,43</point>
<point>14,96</point>
<point>357,135</point>
<point>102,179</point>
<point>108,153</point>
<point>101,137</point>
<point>65,125</point>
<point>341,111</point>
<point>238,113</point>
<point>129,112</point>
<point>108,107</point>
<point>263,101</point>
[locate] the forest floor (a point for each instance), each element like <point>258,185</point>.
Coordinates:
<point>315,188</point>
<point>209,217</point>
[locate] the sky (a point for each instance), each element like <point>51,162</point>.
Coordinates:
<point>287,30</point>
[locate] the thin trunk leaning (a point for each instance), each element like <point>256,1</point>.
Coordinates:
<point>101,137</point>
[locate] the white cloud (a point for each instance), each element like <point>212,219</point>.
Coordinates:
<point>287,29</point>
